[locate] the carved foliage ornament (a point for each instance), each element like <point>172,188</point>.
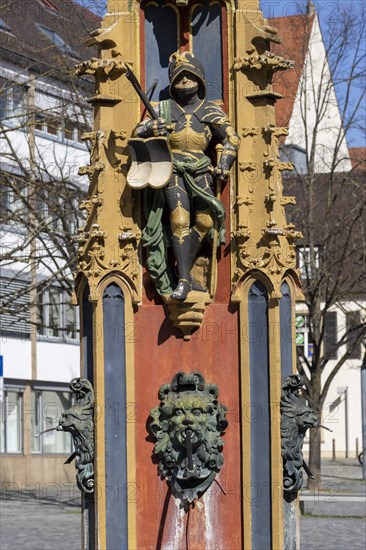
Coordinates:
<point>78,420</point>
<point>296,419</point>
<point>187,426</point>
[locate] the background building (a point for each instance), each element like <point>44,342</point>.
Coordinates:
<point>41,151</point>
<point>328,182</point>
<point>44,114</point>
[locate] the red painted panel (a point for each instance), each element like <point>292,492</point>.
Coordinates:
<point>215,521</point>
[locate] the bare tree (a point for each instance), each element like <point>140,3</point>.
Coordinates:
<point>44,113</point>
<point>330,205</point>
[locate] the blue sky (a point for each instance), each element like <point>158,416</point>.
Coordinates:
<point>329,12</point>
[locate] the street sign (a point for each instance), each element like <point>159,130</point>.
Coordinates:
<point>300,321</point>
<point>335,403</point>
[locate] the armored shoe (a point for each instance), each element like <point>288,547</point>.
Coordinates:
<point>182,289</point>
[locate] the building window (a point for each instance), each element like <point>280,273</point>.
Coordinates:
<point>353,326</point>
<point>48,124</point>
<point>13,191</point>
<point>52,125</point>
<point>330,335</point>
<point>305,265</point>
<point>304,346</point>
<point>47,408</point>
<point>14,306</point>
<point>58,208</point>
<point>4,98</point>
<point>70,131</point>
<point>11,422</point>
<point>296,155</point>
<point>73,132</point>
<point>19,99</point>
<point>59,42</point>
<point>57,317</point>
<point>4,26</point>
<point>13,101</point>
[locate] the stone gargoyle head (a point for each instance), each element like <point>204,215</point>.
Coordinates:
<point>78,421</point>
<point>187,426</point>
<point>296,419</point>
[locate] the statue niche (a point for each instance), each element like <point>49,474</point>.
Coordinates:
<point>187,426</point>
<point>187,122</point>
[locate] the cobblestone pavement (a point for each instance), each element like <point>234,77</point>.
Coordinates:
<point>29,521</point>
<point>332,521</point>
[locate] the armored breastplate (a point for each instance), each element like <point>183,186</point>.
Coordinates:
<point>189,135</point>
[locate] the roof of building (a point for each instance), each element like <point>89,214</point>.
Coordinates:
<point>358,158</point>
<point>45,33</point>
<point>295,33</point>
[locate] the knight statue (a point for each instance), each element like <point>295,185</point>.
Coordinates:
<point>189,122</point>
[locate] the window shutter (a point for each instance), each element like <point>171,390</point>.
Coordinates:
<point>330,335</point>
<point>14,306</point>
<point>353,319</point>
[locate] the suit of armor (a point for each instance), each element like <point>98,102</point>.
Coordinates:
<point>189,121</point>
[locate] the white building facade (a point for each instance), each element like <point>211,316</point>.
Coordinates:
<point>43,117</point>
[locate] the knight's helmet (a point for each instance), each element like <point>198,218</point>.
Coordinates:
<point>185,61</point>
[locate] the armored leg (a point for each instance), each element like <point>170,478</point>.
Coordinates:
<point>203,218</point>
<point>179,206</point>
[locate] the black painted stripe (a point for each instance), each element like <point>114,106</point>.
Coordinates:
<point>115,418</point>
<point>260,448</point>
<point>286,331</point>
<point>87,336</point>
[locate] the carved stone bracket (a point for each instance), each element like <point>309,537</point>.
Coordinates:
<point>268,33</point>
<point>296,419</point>
<point>253,60</point>
<point>87,205</point>
<point>242,234</point>
<point>281,166</point>
<point>91,169</point>
<point>78,420</point>
<point>97,141</point>
<point>187,316</point>
<point>276,131</point>
<point>250,132</point>
<point>291,234</point>
<point>103,70</point>
<point>187,426</point>
<point>98,67</point>
<point>247,201</point>
<point>287,200</point>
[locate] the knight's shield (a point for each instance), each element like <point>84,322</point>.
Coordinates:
<point>151,162</point>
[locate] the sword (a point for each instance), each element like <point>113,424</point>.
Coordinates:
<point>137,87</point>
<point>213,274</point>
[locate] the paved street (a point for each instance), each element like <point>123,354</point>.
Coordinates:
<point>49,519</point>
<point>334,517</point>
<point>32,521</point>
